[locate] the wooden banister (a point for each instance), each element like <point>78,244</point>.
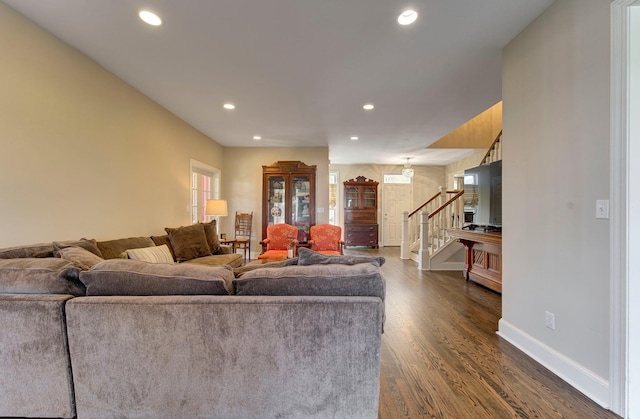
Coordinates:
<point>493,145</point>
<point>443,206</point>
<point>433,198</point>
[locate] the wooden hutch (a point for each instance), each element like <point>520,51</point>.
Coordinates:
<point>361,212</point>
<point>289,196</point>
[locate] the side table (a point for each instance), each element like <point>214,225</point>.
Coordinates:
<point>232,242</point>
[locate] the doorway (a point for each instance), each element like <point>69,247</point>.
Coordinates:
<point>396,198</point>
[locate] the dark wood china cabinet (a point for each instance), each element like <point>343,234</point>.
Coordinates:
<point>361,212</point>
<point>289,196</point>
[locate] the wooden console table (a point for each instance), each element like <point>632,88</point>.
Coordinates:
<point>483,256</point>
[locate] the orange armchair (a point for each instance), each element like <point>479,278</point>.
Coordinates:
<point>279,238</point>
<point>326,239</point>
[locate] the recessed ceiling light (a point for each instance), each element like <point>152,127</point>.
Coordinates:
<point>368,107</point>
<point>150,18</point>
<point>257,137</point>
<point>229,106</point>
<point>353,138</point>
<point>407,17</point>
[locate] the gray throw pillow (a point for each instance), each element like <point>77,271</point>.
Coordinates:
<point>188,242</point>
<point>310,257</point>
<point>87,244</point>
<point>83,258</point>
<point>133,277</point>
<point>40,276</point>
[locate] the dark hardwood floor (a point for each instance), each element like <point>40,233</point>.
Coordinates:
<point>441,356</point>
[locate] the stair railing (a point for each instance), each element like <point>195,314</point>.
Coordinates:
<point>494,153</point>
<point>443,210</point>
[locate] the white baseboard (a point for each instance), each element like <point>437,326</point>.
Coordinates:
<point>584,380</point>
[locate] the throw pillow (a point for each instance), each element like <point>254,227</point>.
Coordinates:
<point>310,257</point>
<point>188,242</point>
<point>133,277</point>
<point>40,276</point>
<point>155,254</point>
<point>112,249</point>
<point>160,240</point>
<point>83,258</point>
<point>88,244</point>
<point>211,231</point>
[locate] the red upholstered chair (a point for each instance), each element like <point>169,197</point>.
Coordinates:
<point>279,238</point>
<point>326,239</point>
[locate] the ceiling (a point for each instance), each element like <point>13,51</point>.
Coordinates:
<point>299,71</point>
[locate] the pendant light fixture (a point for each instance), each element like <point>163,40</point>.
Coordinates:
<point>407,171</point>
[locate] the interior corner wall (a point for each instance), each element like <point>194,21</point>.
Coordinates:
<point>83,153</point>
<point>242,183</point>
<point>556,88</point>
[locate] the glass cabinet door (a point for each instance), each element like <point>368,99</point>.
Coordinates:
<point>368,196</point>
<point>351,197</point>
<point>276,196</point>
<point>301,203</point>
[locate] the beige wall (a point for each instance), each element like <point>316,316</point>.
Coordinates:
<point>555,166</point>
<point>424,184</point>
<point>458,167</point>
<point>242,182</point>
<point>83,153</point>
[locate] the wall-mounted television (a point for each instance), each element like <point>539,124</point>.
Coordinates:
<point>483,195</point>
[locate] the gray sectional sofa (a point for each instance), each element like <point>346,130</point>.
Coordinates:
<point>93,338</point>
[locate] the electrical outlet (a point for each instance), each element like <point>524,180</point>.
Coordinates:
<point>550,320</point>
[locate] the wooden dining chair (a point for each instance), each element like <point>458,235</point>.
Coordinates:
<point>243,233</point>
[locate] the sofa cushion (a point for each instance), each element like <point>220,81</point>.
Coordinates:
<point>233,260</point>
<point>211,232</point>
<point>188,242</point>
<point>132,277</point>
<point>310,257</point>
<point>39,276</point>
<point>153,254</point>
<point>83,258</point>
<point>88,244</point>
<point>363,279</point>
<point>40,250</point>
<point>239,271</point>
<point>112,249</point>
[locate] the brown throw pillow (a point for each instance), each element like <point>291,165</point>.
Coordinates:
<point>211,231</point>
<point>188,242</point>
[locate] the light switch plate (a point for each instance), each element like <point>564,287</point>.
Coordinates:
<point>602,208</point>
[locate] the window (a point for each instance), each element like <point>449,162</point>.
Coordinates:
<point>205,185</point>
<point>333,199</point>
<point>396,178</point>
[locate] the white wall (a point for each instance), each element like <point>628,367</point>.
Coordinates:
<point>633,295</point>
<point>556,165</point>
<point>83,154</point>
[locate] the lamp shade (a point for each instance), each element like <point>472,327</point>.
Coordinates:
<point>216,207</point>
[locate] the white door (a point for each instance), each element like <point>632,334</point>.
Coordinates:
<point>396,198</point>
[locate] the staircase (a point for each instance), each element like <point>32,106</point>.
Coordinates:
<point>424,230</point>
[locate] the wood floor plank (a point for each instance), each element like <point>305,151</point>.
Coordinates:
<point>441,356</point>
